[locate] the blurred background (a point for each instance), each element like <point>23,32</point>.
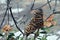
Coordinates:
<point>21,11</point>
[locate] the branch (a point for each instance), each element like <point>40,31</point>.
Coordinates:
<point>44,5</point>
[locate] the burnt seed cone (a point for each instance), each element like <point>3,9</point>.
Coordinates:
<point>36,22</point>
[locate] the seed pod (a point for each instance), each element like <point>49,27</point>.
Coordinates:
<point>36,22</point>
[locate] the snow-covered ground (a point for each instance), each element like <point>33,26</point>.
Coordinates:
<point>51,37</point>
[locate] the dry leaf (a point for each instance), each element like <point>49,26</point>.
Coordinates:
<point>53,22</point>
<point>47,24</point>
<point>50,18</point>
<point>6,28</point>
